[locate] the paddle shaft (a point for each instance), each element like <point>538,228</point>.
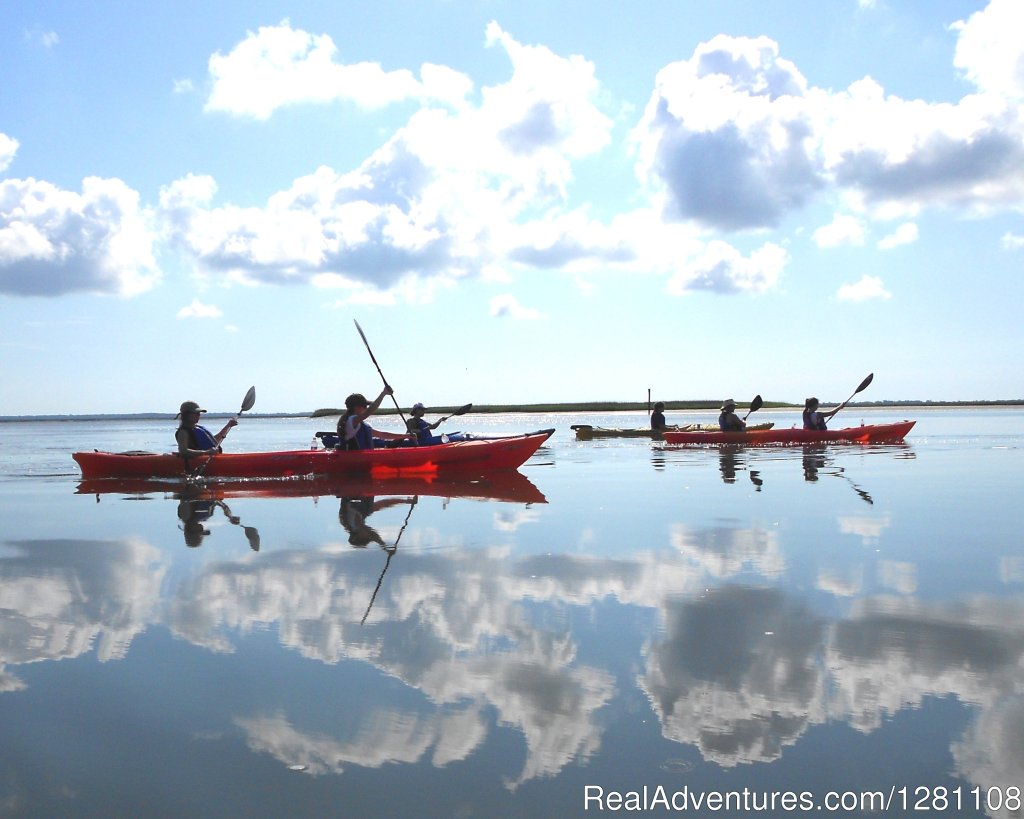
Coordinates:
<point>387,562</point>
<point>863,386</point>
<point>247,404</point>
<point>373,358</point>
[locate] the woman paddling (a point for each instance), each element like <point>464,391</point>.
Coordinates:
<point>194,440</point>
<point>814,419</point>
<point>353,430</point>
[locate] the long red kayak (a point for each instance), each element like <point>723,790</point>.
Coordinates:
<point>478,455</point>
<point>869,434</point>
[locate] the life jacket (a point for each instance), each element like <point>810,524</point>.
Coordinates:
<point>362,439</point>
<point>813,420</point>
<point>201,438</point>
<point>726,424</point>
<point>422,430</point>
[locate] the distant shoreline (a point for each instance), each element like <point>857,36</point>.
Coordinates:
<point>490,409</point>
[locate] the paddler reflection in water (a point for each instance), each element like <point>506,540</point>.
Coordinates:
<point>194,511</point>
<point>353,430</point>
<point>193,439</point>
<point>353,514</point>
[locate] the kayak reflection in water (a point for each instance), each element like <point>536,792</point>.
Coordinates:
<point>194,440</point>
<point>194,512</point>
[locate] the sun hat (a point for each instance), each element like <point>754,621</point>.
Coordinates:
<point>728,403</point>
<point>418,405</point>
<point>188,406</point>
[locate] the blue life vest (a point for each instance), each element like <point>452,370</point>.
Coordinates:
<point>201,438</point>
<point>422,430</point>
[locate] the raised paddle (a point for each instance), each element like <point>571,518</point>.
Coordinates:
<point>863,386</point>
<point>247,404</point>
<point>755,405</point>
<point>373,358</point>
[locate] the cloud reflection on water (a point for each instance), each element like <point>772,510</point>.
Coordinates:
<point>737,668</point>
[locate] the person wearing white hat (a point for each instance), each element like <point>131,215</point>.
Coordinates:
<point>729,421</point>
<point>418,425</point>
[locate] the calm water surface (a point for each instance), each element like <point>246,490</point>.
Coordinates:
<point>617,617</point>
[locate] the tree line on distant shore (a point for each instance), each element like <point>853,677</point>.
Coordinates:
<point>583,406</point>
<point>634,406</point>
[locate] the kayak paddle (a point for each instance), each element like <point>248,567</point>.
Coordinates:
<point>863,386</point>
<point>460,411</point>
<point>755,405</point>
<point>251,532</point>
<point>391,551</point>
<point>247,404</point>
<point>373,358</point>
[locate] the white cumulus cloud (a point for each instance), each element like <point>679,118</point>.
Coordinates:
<point>721,268</point>
<point>843,230</point>
<point>905,234</point>
<point>54,241</point>
<point>199,310</point>
<point>279,65</point>
<point>867,289</point>
<point>8,148</point>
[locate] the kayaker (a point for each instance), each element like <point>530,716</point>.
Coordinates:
<point>353,430</point>
<point>814,419</point>
<point>658,417</point>
<point>728,420</point>
<point>193,439</point>
<point>419,427</point>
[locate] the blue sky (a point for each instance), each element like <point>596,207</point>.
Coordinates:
<point>518,201</point>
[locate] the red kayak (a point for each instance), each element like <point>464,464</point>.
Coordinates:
<point>477,455</point>
<point>869,434</point>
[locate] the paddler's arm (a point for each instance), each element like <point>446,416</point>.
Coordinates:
<point>370,410</point>
<point>833,412</point>
<point>220,436</point>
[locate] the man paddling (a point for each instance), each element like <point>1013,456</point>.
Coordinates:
<point>419,426</point>
<point>658,417</point>
<point>728,420</point>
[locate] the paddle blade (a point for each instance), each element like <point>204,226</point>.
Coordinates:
<point>864,383</point>
<point>362,335</point>
<point>461,410</point>
<point>755,405</point>
<point>249,400</point>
